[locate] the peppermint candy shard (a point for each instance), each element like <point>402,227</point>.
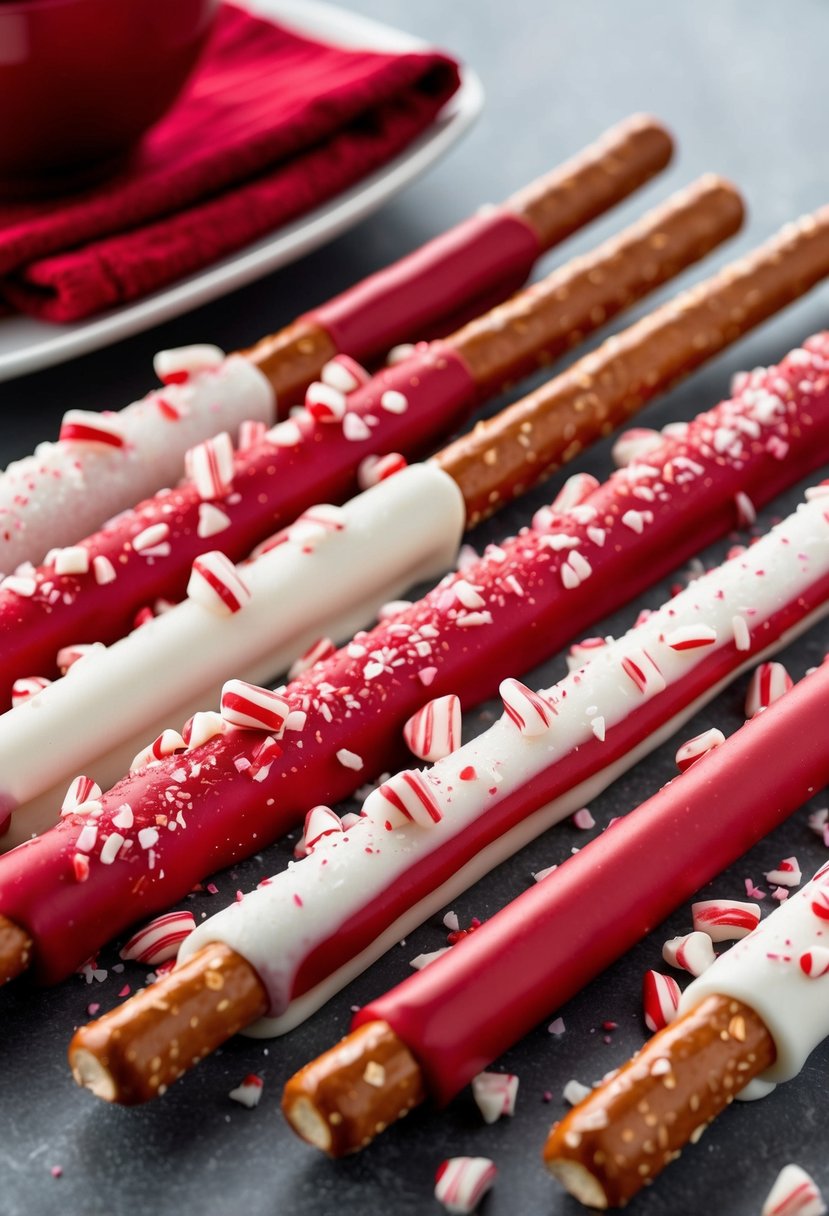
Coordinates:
<point>344,373</point>
<point>769,682</point>
<point>204,725</point>
<point>249,1092</point>
<point>820,903</point>
<point>85,426</point>
<point>693,952</point>
<point>787,874</point>
<point>794,1193</point>
<point>633,444</point>
<point>574,492</point>
<point>530,712</point>
<point>212,521</point>
<point>320,822</point>
<point>660,996</point>
<point>639,667</point>
<point>495,1094</point>
<point>691,637</point>
<point>725,919</point>
<point>404,798</point>
<point>374,469</point>
<point>321,649</point>
<point>251,432</point>
<point>27,687</point>
<point>81,790</point>
<point>462,1182</point>
<point>814,963</point>
<point>425,960</point>
<point>699,746</point>
<point>325,402</point>
<point>160,939</point>
<point>216,585</point>
<point>252,708</point>
<point>175,366</point>
<point>263,757</point>
<point>209,465</point>
<point>435,730</point>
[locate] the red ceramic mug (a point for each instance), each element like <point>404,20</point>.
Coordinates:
<point>82,80</point>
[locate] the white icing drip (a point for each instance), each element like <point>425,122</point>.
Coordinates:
<point>66,490</point>
<point>762,970</point>
<point>402,530</point>
<point>276,933</point>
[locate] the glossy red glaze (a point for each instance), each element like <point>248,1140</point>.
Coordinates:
<point>271,487</point>
<point>469,1007</point>
<point>81,80</point>
<point>458,274</point>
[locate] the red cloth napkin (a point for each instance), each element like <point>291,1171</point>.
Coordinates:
<point>271,125</point>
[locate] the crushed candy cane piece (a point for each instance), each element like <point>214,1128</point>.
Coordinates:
<point>409,795</point>
<point>203,726</point>
<point>643,671</point>
<point>175,366</point>
<point>634,444</point>
<point>394,402</point>
<point>325,402</point>
<point>253,708</point>
<point>81,791</point>
<point>160,939</point>
<point>216,585</point>
<point>691,637</point>
<point>583,820</point>
<point>212,521</point>
<point>660,996</point>
<point>495,1094</point>
<point>27,687</point>
<point>435,730</point>
<point>794,1193</point>
<point>725,919</point>
<point>787,874</point>
<point>85,426</point>
<point>249,1092</point>
<point>209,465</point>
<point>574,1092</point>
<point>769,682</point>
<point>814,963</point>
<point>699,746</point>
<point>693,952</point>
<point>531,713</point>
<point>350,759</point>
<point>374,469</point>
<point>576,490</point>
<point>424,960</point>
<point>462,1182</point>
<point>321,649</point>
<point>344,373</point>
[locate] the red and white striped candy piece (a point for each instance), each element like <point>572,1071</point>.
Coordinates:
<point>693,952</point>
<point>160,939</point>
<point>582,652</point>
<point>404,798</point>
<point>746,510</point>
<point>251,432</point>
<point>166,744</point>
<point>794,1194</point>
<point>176,366</point>
<point>462,1182</point>
<point>660,997</point>
<point>814,963</point>
<point>435,730</point>
<point>320,650</point>
<point>691,637</point>
<point>787,874</point>
<point>699,746</point>
<point>253,708</point>
<point>344,373</point>
<point>495,1094</point>
<point>643,671</point>
<point>216,585</point>
<point>202,727</point>
<point>212,521</point>
<point>634,444</point>
<point>529,711</point>
<point>81,790</point>
<point>374,469</point>
<point>85,426</point>
<point>820,903</point>
<point>314,525</point>
<point>249,1092</point>
<point>325,403</point>
<point>320,822</point>
<point>68,656</point>
<point>27,687</point>
<point>576,490</point>
<point>769,682</point>
<point>263,757</point>
<point>725,920</point>
<point>209,465</point>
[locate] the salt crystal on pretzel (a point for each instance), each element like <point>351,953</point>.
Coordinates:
<point>462,1182</point>
<point>660,996</point>
<point>697,747</point>
<point>768,682</point>
<point>216,584</point>
<point>495,1094</point>
<point>692,952</point>
<point>435,730</point>
<point>725,919</point>
<point>27,687</point>
<point>252,708</point>
<point>160,939</point>
<point>210,466</point>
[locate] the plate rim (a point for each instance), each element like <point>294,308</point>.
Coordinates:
<point>54,344</point>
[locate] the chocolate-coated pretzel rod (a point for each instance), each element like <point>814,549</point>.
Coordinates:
<point>531,592</point>
<point>308,930</point>
<point>490,463</point>
<point>624,372</point>
<point>479,262</point>
<point>463,1011</point>
<point>104,463</point>
<point>147,553</point>
<point>757,1012</point>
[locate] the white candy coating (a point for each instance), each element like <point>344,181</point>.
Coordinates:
<point>403,530</point>
<point>65,491</point>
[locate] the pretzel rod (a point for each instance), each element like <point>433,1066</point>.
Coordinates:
<point>490,462</point>
<point>310,929</point>
<point>479,262</point>
<point>626,370</point>
<point>353,706</point>
<point>305,460</point>
<point>757,1012</point>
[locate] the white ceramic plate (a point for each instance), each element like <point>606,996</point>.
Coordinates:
<point>27,345</point>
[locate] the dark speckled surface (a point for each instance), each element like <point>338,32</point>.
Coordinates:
<point>744,87</point>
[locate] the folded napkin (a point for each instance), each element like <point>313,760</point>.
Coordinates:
<point>271,125</point>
